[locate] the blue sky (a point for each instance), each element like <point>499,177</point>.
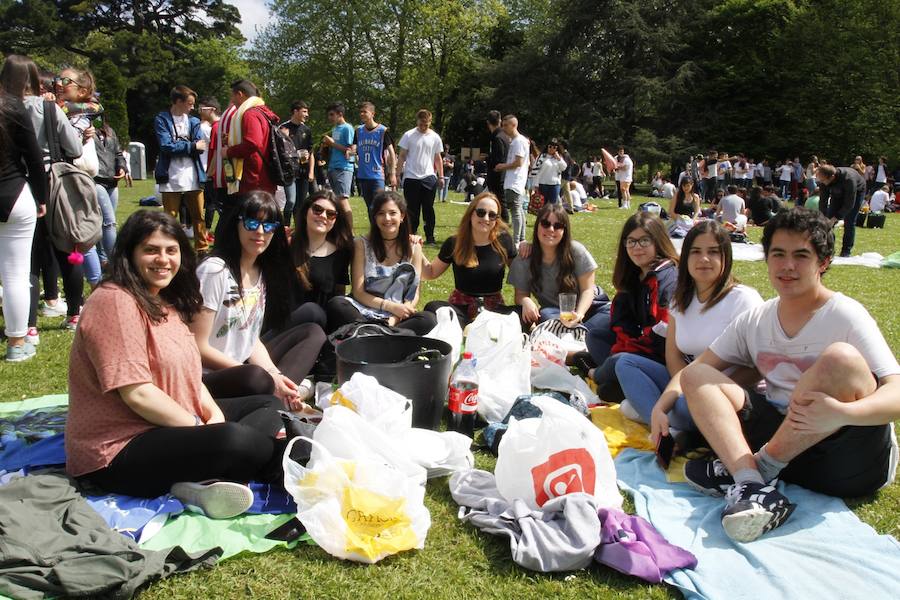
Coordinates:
<point>253,13</point>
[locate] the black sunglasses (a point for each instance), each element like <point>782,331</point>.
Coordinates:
<point>546,224</point>
<point>483,212</point>
<point>253,225</point>
<point>65,81</point>
<point>320,210</point>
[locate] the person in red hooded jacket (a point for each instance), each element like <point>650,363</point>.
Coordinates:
<point>247,146</point>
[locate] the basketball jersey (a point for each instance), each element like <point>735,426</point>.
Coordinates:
<point>369,148</point>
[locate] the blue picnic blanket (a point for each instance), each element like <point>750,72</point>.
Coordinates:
<point>823,551</point>
<point>32,438</point>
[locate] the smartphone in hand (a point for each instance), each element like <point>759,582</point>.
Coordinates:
<point>665,448</point>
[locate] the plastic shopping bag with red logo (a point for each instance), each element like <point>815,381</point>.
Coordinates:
<point>559,453</point>
<point>357,510</point>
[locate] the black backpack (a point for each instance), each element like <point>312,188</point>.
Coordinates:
<point>284,163</point>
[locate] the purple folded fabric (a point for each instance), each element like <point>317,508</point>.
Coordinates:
<point>631,545</point>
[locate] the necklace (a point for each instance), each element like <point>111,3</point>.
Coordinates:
<point>393,239</point>
<point>319,247</point>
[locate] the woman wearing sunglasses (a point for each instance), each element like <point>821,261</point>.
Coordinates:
<point>707,298</point>
<point>245,283</point>
<point>321,248</point>
<point>385,273</point>
<point>558,264</point>
<point>479,253</point>
<point>644,276</point>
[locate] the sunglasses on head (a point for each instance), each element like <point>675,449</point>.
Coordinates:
<point>253,225</point>
<point>320,210</point>
<point>546,224</point>
<point>483,212</point>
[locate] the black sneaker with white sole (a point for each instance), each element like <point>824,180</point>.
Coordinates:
<point>708,476</point>
<point>753,509</point>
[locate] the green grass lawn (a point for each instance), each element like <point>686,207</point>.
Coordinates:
<point>457,561</point>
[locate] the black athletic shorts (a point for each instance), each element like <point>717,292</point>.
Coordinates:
<point>853,461</point>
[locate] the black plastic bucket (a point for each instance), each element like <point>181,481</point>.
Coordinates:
<point>418,368</point>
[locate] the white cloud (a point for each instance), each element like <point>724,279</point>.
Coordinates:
<point>254,13</point>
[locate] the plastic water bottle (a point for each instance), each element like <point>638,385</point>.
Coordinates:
<point>463,398</point>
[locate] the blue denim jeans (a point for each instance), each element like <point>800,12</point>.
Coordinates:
<point>367,189</point>
<point>549,192</point>
<point>643,380</point>
<point>108,198</point>
<point>91,266</point>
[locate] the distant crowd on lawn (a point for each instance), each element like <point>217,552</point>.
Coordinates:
<point>183,357</point>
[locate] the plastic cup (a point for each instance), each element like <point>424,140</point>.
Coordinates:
<point>567,306</point>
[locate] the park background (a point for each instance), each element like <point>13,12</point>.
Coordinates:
<point>666,78</point>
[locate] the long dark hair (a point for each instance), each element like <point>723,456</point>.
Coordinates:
<point>685,288</point>
<point>403,243</point>
<point>626,274</point>
<point>182,293</point>
<point>566,280</point>
<point>19,75</point>
<point>680,196</point>
<point>340,235</point>
<point>274,263</point>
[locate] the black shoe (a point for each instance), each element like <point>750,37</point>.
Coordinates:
<point>845,254</point>
<point>583,362</point>
<point>754,509</point>
<point>431,242</point>
<point>708,476</point>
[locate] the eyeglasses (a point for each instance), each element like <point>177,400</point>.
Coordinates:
<point>66,81</point>
<point>643,242</point>
<point>483,212</point>
<point>253,225</point>
<point>556,226</point>
<point>320,210</point>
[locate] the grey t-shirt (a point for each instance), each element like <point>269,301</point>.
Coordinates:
<point>520,275</point>
<point>732,205</point>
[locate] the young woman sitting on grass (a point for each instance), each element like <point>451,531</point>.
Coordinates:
<point>245,284</point>
<point>140,421</point>
<point>385,273</point>
<point>707,298</point>
<point>322,248</point>
<point>644,277</point>
<point>479,254</point>
<point>558,264</point>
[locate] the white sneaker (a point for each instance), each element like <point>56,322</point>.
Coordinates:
<point>32,337</point>
<point>56,310</point>
<point>629,412</point>
<point>216,499</point>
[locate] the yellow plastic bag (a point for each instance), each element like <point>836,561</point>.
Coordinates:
<point>357,510</point>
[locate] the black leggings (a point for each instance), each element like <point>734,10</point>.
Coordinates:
<point>43,266</point>
<point>294,351</point>
<point>242,449</point>
<point>341,311</point>
<point>73,282</point>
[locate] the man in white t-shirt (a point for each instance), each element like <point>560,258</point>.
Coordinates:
<point>515,171</point>
<point>422,167</point>
<point>668,189</point>
<point>179,170</point>
<point>879,199</point>
<point>832,390</point>
<point>730,206</point>
<point>784,178</point>
<point>624,177</point>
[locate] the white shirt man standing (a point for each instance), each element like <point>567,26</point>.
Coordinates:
<point>624,177</point>
<point>422,167</point>
<point>516,175</point>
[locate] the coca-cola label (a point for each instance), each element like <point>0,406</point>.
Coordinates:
<point>463,400</point>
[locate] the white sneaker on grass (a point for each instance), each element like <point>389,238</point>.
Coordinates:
<point>32,337</point>
<point>20,353</point>
<point>215,499</point>
<point>54,310</point>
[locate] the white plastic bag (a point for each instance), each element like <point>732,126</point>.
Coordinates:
<point>549,375</point>
<point>381,406</point>
<point>440,452</point>
<point>346,434</point>
<point>88,161</point>
<point>356,509</point>
<point>559,453</point>
<point>502,361</point>
<point>548,346</point>
<point>448,330</point>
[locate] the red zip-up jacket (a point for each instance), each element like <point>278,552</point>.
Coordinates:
<point>255,150</point>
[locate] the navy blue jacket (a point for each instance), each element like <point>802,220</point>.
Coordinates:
<point>169,145</point>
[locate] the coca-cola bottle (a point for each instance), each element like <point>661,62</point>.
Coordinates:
<point>463,398</point>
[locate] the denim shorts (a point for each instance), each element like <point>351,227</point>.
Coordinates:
<point>340,182</point>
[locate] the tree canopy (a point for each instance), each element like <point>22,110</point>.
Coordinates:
<point>664,77</point>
